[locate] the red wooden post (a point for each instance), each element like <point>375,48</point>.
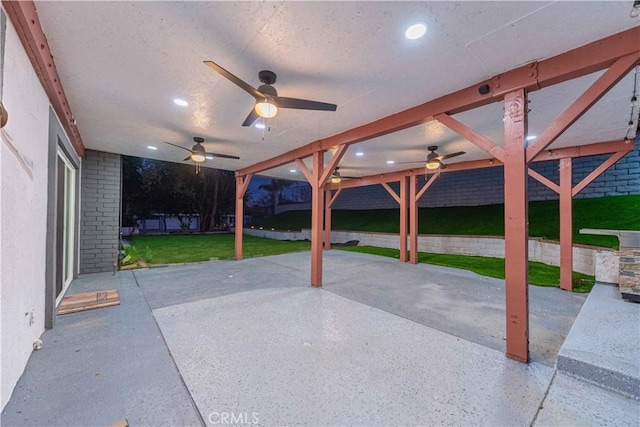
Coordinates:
<point>413,221</point>
<point>327,220</point>
<point>317,211</point>
<point>403,219</point>
<point>516,225</point>
<point>566,225</point>
<point>239,217</point>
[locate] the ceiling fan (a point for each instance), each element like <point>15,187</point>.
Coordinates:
<point>199,154</point>
<point>435,160</point>
<point>336,177</point>
<point>267,100</point>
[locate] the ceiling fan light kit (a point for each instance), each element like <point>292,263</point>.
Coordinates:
<point>267,100</point>
<point>266,109</point>
<point>432,165</point>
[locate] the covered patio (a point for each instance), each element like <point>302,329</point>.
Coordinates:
<point>381,343</point>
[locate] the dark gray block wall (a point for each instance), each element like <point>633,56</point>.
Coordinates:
<point>485,186</point>
<point>100,211</point>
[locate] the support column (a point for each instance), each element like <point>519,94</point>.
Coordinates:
<point>239,218</point>
<point>413,221</point>
<point>403,219</point>
<point>327,219</point>
<point>242,182</point>
<point>516,226</point>
<point>316,219</point>
<point>566,225</point>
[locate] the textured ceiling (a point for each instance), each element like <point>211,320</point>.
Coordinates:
<point>123,63</point>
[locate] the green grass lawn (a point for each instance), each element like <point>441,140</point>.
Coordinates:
<point>539,274</point>
<point>620,212</point>
<point>171,249</point>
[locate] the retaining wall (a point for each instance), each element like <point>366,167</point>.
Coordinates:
<point>548,252</point>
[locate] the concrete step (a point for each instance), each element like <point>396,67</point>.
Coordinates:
<point>603,346</point>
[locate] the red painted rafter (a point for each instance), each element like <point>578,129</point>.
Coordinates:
<point>471,135</point>
<point>391,192</point>
<point>585,101</point>
<point>554,154</point>
<point>334,197</point>
<point>598,171</point>
<point>578,62</point>
<point>427,185</point>
<point>24,17</point>
<point>544,181</point>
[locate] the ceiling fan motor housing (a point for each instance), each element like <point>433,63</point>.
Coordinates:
<point>267,77</point>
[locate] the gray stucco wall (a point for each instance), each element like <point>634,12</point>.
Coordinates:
<point>485,186</point>
<point>100,211</point>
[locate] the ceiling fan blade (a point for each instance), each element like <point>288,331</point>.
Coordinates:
<point>303,104</point>
<point>442,165</point>
<point>350,177</point>
<point>224,156</point>
<point>177,146</point>
<point>188,158</point>
<point>448,156</point>
<point>241,83</point>
<point>252,117</point>
<point>415,161</point>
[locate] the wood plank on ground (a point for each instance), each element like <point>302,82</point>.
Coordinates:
<point>88,301</point>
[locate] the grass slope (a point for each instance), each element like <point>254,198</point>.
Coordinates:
<point>539,274</point>
<point>620,212</point>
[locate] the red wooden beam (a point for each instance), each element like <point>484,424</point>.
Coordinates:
<point>598,171</point>
<point>578,62</point>
<point>391,192</point>
<point>427,185</point>
<point>544,181</point>
<point>597,90</point>
<point>403,220</point>
<point>316,219</point>
<point>471,135</point>
<point>242,183</point>
<point>553,154</point>
<point>327,220</point>
<point>516,228</point>
<point>24,17</point>
<point>566,225</point>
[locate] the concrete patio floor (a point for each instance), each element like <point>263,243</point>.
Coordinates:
<point>382,343</point>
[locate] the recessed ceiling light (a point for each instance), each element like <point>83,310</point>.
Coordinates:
<point>180,102</point>
<point>292,170</point>
<point>359,153</point>
<point>209,157</point>
<point>390,162</point>
<point>260,125</point>
<point>151,147</point>
<point>416,31</point>
<point>531,137</point>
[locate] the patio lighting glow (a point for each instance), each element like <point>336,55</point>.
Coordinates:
<point>432,165</point>
<point>266,109</point>
<point>416,31</point>
<point>359,154</point>
<point>260,126</point>
<point>531,137</point>
<point>197,157</point>
<point>292,170</point>
<point>180,102</point>
<point>390,162</point>
<point>151,147</point>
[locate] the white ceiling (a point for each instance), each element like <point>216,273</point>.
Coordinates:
<point>123,63</point>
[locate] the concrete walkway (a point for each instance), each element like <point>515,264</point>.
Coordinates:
<point>381,343</point>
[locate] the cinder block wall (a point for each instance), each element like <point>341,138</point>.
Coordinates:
<point>100,211</point>
<point>485,186</point>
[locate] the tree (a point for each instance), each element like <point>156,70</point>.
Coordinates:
<point>274,189</point>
